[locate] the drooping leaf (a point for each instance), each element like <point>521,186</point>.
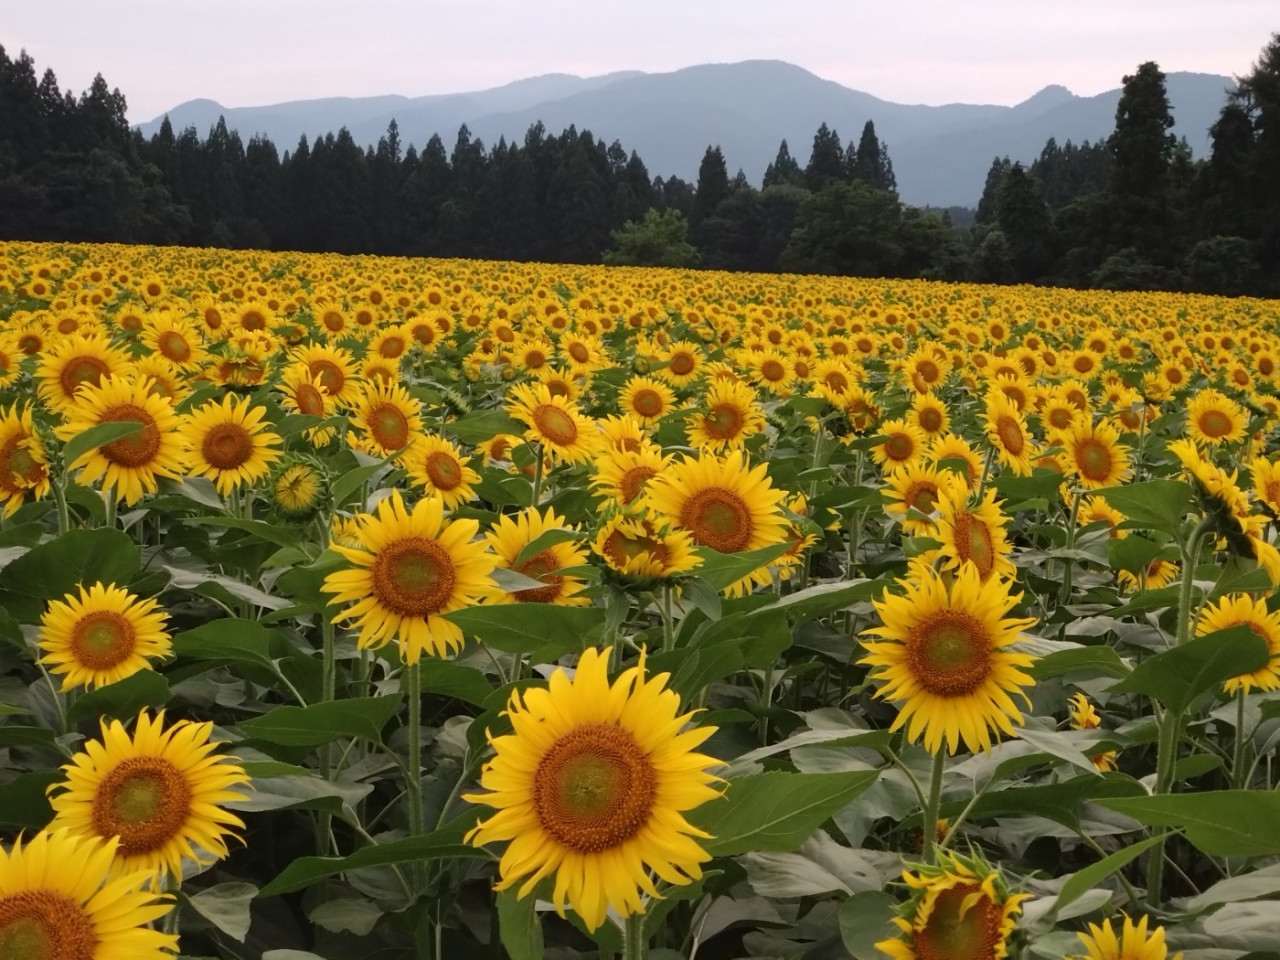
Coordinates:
<point>1154,504</point>
<point>1222,823</point>
<point>1176,677</point>
<point>52,570</point>
<point>321,723</point>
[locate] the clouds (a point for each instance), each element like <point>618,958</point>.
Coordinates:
<point>243,53</point>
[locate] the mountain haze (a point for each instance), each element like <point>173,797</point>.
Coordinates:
<point>941,154</point>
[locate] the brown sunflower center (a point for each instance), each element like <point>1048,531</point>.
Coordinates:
<point>102,639</point>
<point>139,449</point>
<point>1010,434</point>
<point>682,364</point>
<point>413,576</point>
<point>928,371</point>
<point>18,468</point>
<point>533,359</point>
<point>956,931</point>
<point>975,543</point>
<point>144,801</point>
<point>579,352</point>
<point>719,519</point>
<point>82,369</point>
<point>388,426</point>
<point>227,446</point>
<point>1214,424</point>
<point>647,402</point>
<point>949,653</point>
<point>773,370</point>
<point>899,446</point>
<point>622,549</point>
<point>930,419</point>
<point>309,400</point>
<point>443,470</point>
<point>837,381</point>
<point>723,422</point>
<point>1093,459</point>
<point>253,320</point>
<point>922,495</point>
<point>43,925</point>
<point>555,424</point>
<point>1174,375</point>
<point>539,567</point>
<point>1060,418</point>
<point>594,788</point>
<point>392,347</point>
<point>329,374</point>
<point>174,346</point>
<point>333,320</point>
<point>633,482</point>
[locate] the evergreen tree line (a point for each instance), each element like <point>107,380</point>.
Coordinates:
<point>1134,211</point>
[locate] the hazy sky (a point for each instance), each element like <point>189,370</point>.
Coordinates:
<point>250,52</point>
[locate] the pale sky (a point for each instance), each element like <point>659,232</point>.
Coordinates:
<point>253,52</point>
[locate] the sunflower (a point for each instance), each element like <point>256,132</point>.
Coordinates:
<point>1266,483</point>
<point>646,399</point>
<point>1133,942</point>
<point>584,354</point>
<point>1095,456</point>
<point>973,535</point>
<point>228,443</point>
<point>132,464</point>
<point>103,635</point>
<point>960,909</point>
<point>391,343</point>
<point>726,505</point>
<point>334,368</point>
<point>1085,717</point>
<point>917,488</point>
<point>553,421</point>
<point>164,379</point>
<point>511,536</point>
<point>411,568</point>
<point>1215,418</point>
<point>158,791</point>
<point>682,362</point>
<point>592,786</point>
<point>953,449</point>
<point>387,418</point>
<point>306,394</point>
<point>622,474</point>
<point>175,339</point>
<point>74,361</point>
<point>1007,433</point>
<point>903,444</point>
<point>24,466</point>
<point>297,487</point>
<point>729,415</point>
<point>929,414</point>
<point>1158,573</point>
<point>945,655</point>
<point>58,900</point>
<point>1097,510</point>
<point>1241,610</point>
<point>440,468</point>
<point>632,545</point>
<point>861,408</point>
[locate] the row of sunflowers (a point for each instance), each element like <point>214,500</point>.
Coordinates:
<point>416,607</point>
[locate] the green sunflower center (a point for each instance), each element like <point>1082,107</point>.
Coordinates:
<point>949,653</point>
<point>1093,459</point>
<point>723,422</point>
<point>389,426</point>
<point>413,576</point>
<point>594,788</point>
<point>145,801</point>
<point>102,639</point>
<point>42,925</point>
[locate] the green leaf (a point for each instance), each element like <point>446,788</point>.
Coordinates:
<point>1222,823</point>
<point>233,640</point>
<point>545,541</point>
<point>351,481</point>
<point>280,535</point>
<point>1131,553</point>
<point>225,589</point>
<point>300,792</point>
<point>1090,661</point>
<point>1176,677</point>
<point>775,811</point>
<point>866,918</point>
<point>822,599</point>
<point>518,925</point>
<point>24,801</point>
<point>226,906</point>
<point>442,844</point>
<point>527,627</point>
<point>122,699</point>
<point>15,735</point>
<point>723,569</point>
<point>451,679</point>
<point>322,723</point>
<point>347,914</point>
<point>482,425</point>
<point>54,569</point>
<point>1060,802</point>
<point>1095,873</point>
<point>1155,504</point>
<point>98,436</point>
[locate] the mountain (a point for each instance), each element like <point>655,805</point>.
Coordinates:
<point>941,154</point>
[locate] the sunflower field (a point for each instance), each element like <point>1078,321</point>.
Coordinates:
<point>422,608</point>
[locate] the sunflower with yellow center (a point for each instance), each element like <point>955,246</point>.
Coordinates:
<point>410,569</point>
<point>1132,942</point>
<point>960,909</point>
<point>1266,483</point>
<point>387,417</point>
<point>132,464</point>
<point>298,487</point>
<point>1097,510</point>
<point>24,466</point>
<point>159,791</point>
<point>1156,574</point>
<point>1213,417</point>
<point>554,422</point>
<point>726,418</point>
<point>634,546</point>
<point>1241,610</point>
<point>647,399</point>
<point>1094,455</point>
<point>944,653</point>
<point>59,901</point>
<point>74,361</point>
<point>511,538</point>
<point>591,787</point>
<point>1007,433</point>
<point>103,635</point>
<point>228,443</point>
<point>440,468</point>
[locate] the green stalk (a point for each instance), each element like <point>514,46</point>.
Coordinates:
<point>64,513</point>
<point>109,508</point>
<point>537,473</point>
<point>930,825</point>
<point>411,683</point>
<point>635,946</point>
<point>1239,776</point>
<point>1166,754</point>
<point>1068,563</point>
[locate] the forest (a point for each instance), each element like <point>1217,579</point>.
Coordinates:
<point>1134,212</point>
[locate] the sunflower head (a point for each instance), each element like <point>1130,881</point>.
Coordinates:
<point>298,487</point>
<point>1133,941</point>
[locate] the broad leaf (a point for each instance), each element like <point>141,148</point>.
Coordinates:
<point>1222,823</point>
<point>321,723</point>
<point>1176,677</point>
<point>54,569</point>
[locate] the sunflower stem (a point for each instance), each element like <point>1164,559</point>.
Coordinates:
<point>109,508</point>
<point>930,825</point>
<point>1166,753</point>
<point>64,513</point>
<point>1239,777</point>
<point>537,473</point>
<point>668,624</point>
<point>412,683</point>
<point>635,946</point>
<point>1068,564</point>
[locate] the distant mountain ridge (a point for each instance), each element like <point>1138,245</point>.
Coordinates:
<point>940,154</point>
